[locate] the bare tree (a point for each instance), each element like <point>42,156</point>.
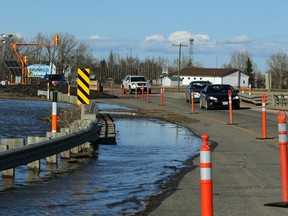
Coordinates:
<point>278,67</point>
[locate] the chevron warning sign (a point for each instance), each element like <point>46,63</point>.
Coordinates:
<point>83,82</point>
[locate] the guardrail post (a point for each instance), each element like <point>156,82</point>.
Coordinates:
<point>206,183</point>
<point>35,165</point>
<point>282,132</point>
<point>54,112</point>
<point>11,144</point>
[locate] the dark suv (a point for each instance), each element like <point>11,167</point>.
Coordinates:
<point>53,79</point>
<point>197,87</point>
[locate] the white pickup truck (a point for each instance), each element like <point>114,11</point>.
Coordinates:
<point>134,83</point>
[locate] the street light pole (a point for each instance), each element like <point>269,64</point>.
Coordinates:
<point>5,40</point>
<point>180,45</point>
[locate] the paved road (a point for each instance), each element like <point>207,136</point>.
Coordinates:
<point>246,170</point>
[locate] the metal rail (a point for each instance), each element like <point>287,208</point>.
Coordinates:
<point>29,153</point>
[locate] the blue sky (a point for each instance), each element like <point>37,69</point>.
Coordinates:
<point>147,28</point>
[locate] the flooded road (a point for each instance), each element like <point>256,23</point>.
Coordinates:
<point>118,181</point>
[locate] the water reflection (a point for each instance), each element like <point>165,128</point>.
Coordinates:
<point>117,181</point>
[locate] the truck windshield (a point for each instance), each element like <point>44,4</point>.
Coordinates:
<point>137,79</point>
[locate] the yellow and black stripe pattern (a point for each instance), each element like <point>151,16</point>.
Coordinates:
<point>83,82</point>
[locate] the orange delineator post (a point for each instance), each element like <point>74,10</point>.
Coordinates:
<point>206,183</point>
<point>264,126</point>
<point>69,90</point>
<point>54,112</point>
<point>282,133</point>
<point>250,89</point>
<point>121,91</point>
<point>243,89</point>
<point>192,101</point>
<point>230,106</point>
<point>143,92</point>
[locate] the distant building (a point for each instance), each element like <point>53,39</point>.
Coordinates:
<point>215,75</point>
<point>171,81</point>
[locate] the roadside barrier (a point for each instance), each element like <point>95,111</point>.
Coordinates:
<point>206,183</point>
<point>192,101</point>
<point>282,133</point>
<point>161,97</point>
<point>54,112</point>
<point>264,121</point>
<point>230,107</point>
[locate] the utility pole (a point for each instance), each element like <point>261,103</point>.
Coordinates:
<point>180,45</point>
<point>191,40</point>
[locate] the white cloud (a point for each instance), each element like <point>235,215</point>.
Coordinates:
<point>96,37</point>
<point>154,38</point>
<point>240,38</point>
<point>184,37</point>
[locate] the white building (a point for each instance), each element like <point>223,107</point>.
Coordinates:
<point>215,75</point>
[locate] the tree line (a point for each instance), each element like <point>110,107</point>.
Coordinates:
<point>72,54</point>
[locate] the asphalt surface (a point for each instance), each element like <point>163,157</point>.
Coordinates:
<point>245,168</point>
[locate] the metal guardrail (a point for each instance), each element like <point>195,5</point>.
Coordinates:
<point>254,99</point>
<point>29,153</point>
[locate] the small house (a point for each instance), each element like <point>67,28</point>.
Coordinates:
<point>230,76</point>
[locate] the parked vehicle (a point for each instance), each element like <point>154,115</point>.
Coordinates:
<point>216,96</point>
<point>135,83</point>
<point>197,87</point>
<point>53,79</point>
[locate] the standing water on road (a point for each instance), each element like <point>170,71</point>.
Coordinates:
<point>118,181</point>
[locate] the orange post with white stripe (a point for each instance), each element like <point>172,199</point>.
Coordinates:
<point>206,183</point>
<point>250,90</point>
<point>282,133</point>
<point>264,125</point>
<point>69,89</point>
<point>54,112</point>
